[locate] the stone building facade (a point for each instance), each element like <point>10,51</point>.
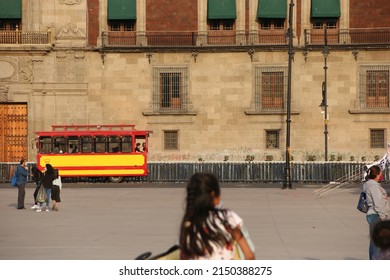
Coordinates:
<point>216,91</point>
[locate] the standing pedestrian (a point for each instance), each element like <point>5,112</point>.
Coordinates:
<point>378,205</point>
<point>21,181</point>
<point>47,181</point>
<point>55,190</point>
<point>37,175</point>
<point>208,231</point>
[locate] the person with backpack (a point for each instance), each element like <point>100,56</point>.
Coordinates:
<point>378,204</point>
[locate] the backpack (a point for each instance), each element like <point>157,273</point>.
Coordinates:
<point>14,179</point>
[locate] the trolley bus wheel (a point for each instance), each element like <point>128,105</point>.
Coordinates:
<point>115,179</point>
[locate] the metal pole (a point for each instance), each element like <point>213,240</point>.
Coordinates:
<point>326,52</point>
<point>287,177</point>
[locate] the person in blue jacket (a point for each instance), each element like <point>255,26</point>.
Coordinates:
<point>21,181</point>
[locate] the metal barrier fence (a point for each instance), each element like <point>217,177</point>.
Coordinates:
<point>302,172</point>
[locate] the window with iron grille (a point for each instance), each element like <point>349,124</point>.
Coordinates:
<point>121,25</point>
<point>171,140</point>
<point>170,89</point>
<point>270,88</point>
<point>377,138</point>
<point>272,139</point>
<point>374,87</point>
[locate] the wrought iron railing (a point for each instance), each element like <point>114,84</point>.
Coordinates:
<point>353,36</point>
<point>189,38</point>
<point>16,37</point>
<point>273,172</point>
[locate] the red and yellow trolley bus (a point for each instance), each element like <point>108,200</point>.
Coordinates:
<point>111,151</point>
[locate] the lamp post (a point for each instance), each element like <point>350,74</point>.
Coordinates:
<point>324,103</point>
<point>287,175</point>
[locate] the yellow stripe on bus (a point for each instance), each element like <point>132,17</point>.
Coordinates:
<point>92,160</point>
<point>114,172</point>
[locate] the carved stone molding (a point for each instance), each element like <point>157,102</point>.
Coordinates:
<point>26,70</point>
<point>149,55</point>
<point>251,53</point>
<point>70,66</point>
<point>70,2</point>
<point>355,54</point>
<point>3,93</point>
<point>71,31</point>
<point>194,55</point>
<point>8,68</point>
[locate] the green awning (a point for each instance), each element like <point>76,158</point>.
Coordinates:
<point>122,9</point>
<point>272,9</point>
<point>325,8</point>
<point>221,9</point>
<point>11,9</point>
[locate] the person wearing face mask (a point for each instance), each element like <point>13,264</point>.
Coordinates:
<point>378,204</point>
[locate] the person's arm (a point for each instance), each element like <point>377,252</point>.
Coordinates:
<point>59,182</point>
<point>242,242</point>
<point>379,202</point>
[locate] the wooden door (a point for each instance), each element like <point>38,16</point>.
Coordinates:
<point>13,132</point>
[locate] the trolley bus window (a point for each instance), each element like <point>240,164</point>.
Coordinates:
<point>59,145</point>
<point>73,143</point>
<point>86,144</point>
<point>113,144</point>
<point>142,141</point>
<point>100,144</point>
<point>126,144</point>
<point>45,145</point>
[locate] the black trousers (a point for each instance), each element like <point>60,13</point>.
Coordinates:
<point>36,193</point>
<point>21,195</point>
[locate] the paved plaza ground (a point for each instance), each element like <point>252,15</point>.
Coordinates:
<point>119,222</point>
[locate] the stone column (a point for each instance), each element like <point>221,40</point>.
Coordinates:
<point>240,22</point>
<point>141,23</point>
<point>202,23</point>
<point>253,23</point>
